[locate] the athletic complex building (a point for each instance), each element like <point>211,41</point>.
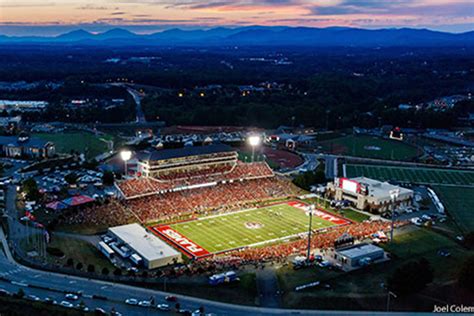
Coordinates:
<point>143,246</point>
<point>370,195</point>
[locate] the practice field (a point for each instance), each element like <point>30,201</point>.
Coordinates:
<point>77,141</point>
<point>253,227</point>
<point>412,174</point>
<point>459,203</point>
<point>369,147</point>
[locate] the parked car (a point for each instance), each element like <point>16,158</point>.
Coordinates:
<point>131,301</point>
<point>144,303</point>
<point>71,297</point>
<point>33,298</point>
<point>66,304</point>
<point>163,307</point>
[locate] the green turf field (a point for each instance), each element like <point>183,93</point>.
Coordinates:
<point>228,231</point>
<point>77,141</point>
<point>412,174</point>
<point>369,147</point>
<point>459,203</point>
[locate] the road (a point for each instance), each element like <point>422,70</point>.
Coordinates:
<point>331,166</point>
<point>140,116</point>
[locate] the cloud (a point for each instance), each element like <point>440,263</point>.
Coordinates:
<point>421,8</point>
<point>231,5</point>
<point>16,4</point>
<point>91,7</point>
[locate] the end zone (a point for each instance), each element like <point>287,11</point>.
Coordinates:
<point>337,220</point>
<point>185,244</point>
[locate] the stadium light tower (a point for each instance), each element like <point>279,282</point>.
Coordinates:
<point>254,141</point>
<point>125,155</point>
<point>393,195</point>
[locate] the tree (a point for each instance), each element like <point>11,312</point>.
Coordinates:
<point>411,277</point>
<point>108,178</point>
<point>20,293</point>
<point>117,272</point>
<point>91,268</point>
<point>309,178</point>
<point>469,240</point>
<point>466,274</point>
<point>71,178</point>
<point>30,187</point>
<point>79,266</point>
<point>70,262</point>
<point>105,271</point>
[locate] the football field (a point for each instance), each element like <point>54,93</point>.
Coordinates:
<point>369,147</point>
<point>459,203</point>
<point>253,227</point>
<point>412,174</point>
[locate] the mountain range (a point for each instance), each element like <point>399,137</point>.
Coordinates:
<point>261,36</point>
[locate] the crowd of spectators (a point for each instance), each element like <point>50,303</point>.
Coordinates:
<point>172,205</point>
<point>221,197</point>
<point>139,187</point>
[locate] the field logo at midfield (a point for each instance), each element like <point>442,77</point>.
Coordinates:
<point>253,225</point>
<point>182,242</point>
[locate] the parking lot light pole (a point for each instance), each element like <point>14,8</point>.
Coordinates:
<point>390,293</point>
<point>126,155</point>
<point>308,253</point>
<point>393,195</point>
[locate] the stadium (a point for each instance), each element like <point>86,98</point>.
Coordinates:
<point>207,204</point>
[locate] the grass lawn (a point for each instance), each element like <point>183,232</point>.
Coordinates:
<point>410,245</point>
<point>240,229</point>
<point>243,292</point>
<point>348,213</point>
<point>82,229</point>
<point>369,147</point>
<point>79,250</point>
<point>412,174</point>
<point>459,204</point>
<point>77,141</point>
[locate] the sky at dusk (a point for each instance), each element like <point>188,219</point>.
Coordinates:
<point>52,17</point>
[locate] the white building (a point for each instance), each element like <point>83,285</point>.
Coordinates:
<point>370,195</point>
<point>152,250</point>
<point>23,106</point>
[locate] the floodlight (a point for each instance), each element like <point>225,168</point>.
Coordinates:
<point>126,155</point>
<point>254,140</point>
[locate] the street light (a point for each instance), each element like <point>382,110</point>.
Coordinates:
<point>254,141</point>
<point>393,195</point>
<point>125,155</point>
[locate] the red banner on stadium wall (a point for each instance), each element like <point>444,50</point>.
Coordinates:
<point>185,244</point>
